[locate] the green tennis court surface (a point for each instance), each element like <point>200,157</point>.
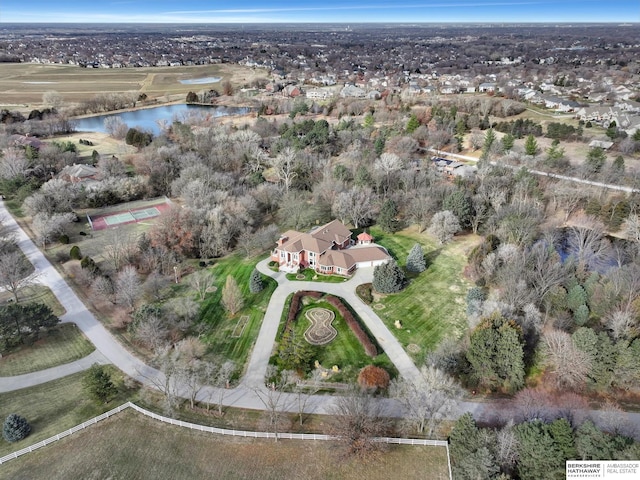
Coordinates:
<point>131,216</point>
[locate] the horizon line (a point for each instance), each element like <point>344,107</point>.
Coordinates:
<point>373,22</point>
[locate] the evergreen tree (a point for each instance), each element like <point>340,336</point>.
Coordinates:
<point>471,457</point>
<point>98,384</point>
<point>461,206</point>
<point>255,282</point>
<point>496,354</point>
<point>540,455</point>
<point>415,260</point>
<point>388,278</point>
<point>595,160</point>
<point>15,428</point>
<point>412,123</point>
<point>489,139</point>
<point>531,145</point>
<point>387,218</point>
<point>507,142</point>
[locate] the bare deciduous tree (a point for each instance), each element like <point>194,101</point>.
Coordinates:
<point>428,400</point>
<point>16,273</point>
<point>357,205</point>
<point>274,398</point>
<point>232,299</point>
<point>444,225</point>
<point>284,167</point>
<point>127,286</point>
<point>201,282</point>
<point>569,364</point>
<point>357,418</point>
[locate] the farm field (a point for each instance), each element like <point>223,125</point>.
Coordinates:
<point>112,449</point>
<point>22,85</point>
<point>432,306</point>
<point>62,344</point>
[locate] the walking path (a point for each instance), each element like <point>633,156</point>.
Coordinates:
<point>251,391</point>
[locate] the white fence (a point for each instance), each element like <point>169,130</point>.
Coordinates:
<point>218,431</point>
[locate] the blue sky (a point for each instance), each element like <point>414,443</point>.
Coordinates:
<point>344,11</point>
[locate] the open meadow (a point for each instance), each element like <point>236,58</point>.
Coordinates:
<point>113,449</point>
<point>23,84</point>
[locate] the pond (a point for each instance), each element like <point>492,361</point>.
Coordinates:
<point>200,81</point>
<point>148,118</point>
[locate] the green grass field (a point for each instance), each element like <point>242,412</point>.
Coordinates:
<point>113,449</point>
<point>219,326</point>
<point>432,306</point>
<point>38,294</point>
<point>345,350</point>
<point>62,344</point>
<point>51,408</point>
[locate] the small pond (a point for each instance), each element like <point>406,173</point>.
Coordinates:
<point>147,118</point>
<point>200,81</point>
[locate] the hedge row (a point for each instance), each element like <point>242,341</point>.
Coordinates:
<point>295,304</point>
<point>369,348</point>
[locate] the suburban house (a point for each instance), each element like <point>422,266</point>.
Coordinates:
<point>79,172</point>
<point>328,249</point>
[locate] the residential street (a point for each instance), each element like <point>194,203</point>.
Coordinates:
<point>251,389</point>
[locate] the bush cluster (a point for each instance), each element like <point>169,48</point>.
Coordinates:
<point>369,348</point>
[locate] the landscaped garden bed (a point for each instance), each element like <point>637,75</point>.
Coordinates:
<point>340,358</point>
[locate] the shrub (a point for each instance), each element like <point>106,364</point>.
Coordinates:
<point>372,377</point>
<point>15,428</point>
<point>88,264</point>
<point>74,253</point>
<point>64,239</point>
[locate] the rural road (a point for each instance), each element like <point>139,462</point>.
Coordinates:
<point>251,392</point>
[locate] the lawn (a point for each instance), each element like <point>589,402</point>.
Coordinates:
<point>38,294</point>
<point>112,449</point>
<point>61,344</point>
<point>51,408</point>
<point>345,350</point>
<point>432,306</point>
<point>219,325</point>
<point>310,275</point>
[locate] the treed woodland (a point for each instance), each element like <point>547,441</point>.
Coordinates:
<point>553,304</point>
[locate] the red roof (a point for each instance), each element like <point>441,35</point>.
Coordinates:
<point>364,236</point>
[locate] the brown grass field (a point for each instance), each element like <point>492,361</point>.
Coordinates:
<point>131,446</point>
<point>22,84</point>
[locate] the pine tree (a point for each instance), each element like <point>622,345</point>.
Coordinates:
<point>255,282</point>
<point>15,428</point>
<point>415,260</point>
<point>531,145</point>
<point>387,218</point>
<point>496,354</point>
<point>388,278</point>
<point>98,384</point>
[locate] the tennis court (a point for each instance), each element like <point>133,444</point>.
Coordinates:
<point>131,216</point>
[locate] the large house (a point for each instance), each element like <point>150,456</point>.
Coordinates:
<point>328,249</point>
